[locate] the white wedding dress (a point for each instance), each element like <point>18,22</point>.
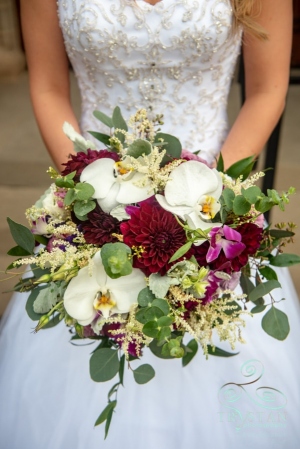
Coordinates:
<point>174,58</point>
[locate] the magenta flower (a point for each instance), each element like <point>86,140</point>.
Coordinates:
<point>226,239</point>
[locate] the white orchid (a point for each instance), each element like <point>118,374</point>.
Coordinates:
<point>192,192</point>
<point>115,183</point>
<point>91,292</point>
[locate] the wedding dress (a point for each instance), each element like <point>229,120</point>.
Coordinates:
<point>175,58</point>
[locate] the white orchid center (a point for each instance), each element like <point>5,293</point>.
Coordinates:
<point>121,170</point>
<point>103,302</point>
<point>208,207</point>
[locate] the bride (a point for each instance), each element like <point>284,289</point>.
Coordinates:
<point>174,57</point>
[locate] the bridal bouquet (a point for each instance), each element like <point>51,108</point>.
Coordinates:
<point>141,243</point>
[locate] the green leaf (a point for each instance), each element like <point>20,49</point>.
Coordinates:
<point>53,322</point>
<point>84,191</point>
<point>121,368</point>
<point>241,168</point>
<point>219,352</point>
<point>284,260</point>
<point>47,298</point>
<point>81,208</point>
<point>143,374</point>
<point>108,421</point>
<point>264,204</point>
<point>171,144</point>
<point>30,301</point>
<point>192,347</point>
<point>258,309</point>
<point>17,251</point>
<point>151,329</point>
<point>22,236</point>
<point>246,284</point>
<point>104,364</point>
<point>158,351</point>
<point>103,416</point>
<point>70,197</point>
<point>138,148</point>
<point>162,304</point>
<point>40,239</point>
<point>115,259</point>
<point>103,118</point>
<point>240,205</point>
<point>228,195</point>
<point>251,194</point>
<point>263,289</point>
<point>118,120</point>
<point>64,182</point>
<point>276,324</point>
<point>148,314</point>
<point>220,164</point>
<point>145,297</point>
<point>181,251</point>
<point>268,273</point>
<point>280,233</point>
<point>164,321</point>
<point>104,138</point>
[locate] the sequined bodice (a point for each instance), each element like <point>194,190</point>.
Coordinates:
<point>175,58</point>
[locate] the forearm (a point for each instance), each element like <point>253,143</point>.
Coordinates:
<point>253,126</point>
<point>51,111</point>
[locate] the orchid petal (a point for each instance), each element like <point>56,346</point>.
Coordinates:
<point>213,252</point>
<point>177,210</point>
<point>100,174</point>
<point>231,234</point>
<point>109,202</point>
<point>131,193</point>
<point>232,249</point>
<point>189,182</point>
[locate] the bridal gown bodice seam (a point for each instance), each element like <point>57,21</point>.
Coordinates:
<point>175,57</point>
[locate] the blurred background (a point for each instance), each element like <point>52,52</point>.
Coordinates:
<point>24,159</point>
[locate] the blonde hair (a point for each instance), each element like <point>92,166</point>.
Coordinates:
<point>245,14</point>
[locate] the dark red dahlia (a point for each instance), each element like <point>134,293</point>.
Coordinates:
<point>81,160</point>
<point>157,232</point>
<point>99,227</point>
<point>251,237</point>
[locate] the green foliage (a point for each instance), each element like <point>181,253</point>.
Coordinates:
<point>82,208</point>
<point>169,143</point>
<point>284,260</point>
<point>241,168</point>
<point>104,138</point>
<point>22,236</point>
<point>104,364</point>
<point>103,118</point>
<point>143,374</point>
<point>220,164</point>
<point>181,251</point>
<point>145,297</point>
<point>139,148</point>
<point>276,324</point>
<point>268,273</point>
<point>219,352</point>
<point>240,205</point>
<point>190,351</point>
<point>263,289</point>
<point>119,123</point>
<point>116,259</point>
<point>30,302</point>
<point>17,251</point>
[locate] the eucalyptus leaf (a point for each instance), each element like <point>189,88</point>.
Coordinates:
<point>151,329</point>
<point>251,194</point>
<point>30,301</point>
<point>171,144</point>
<point>81,208</point>
<point>189,355</point>
<point>104,138</point>
<point>164,321</point>
<point>103,118</point>
<point>181,251</point>
<point>162,304</point>
<point>259,308</point>
<point>263,289</point>
<point>241,168</point>
<point>240,205</point>
<point>158,350</point>
<point>143,374</point>
<point>83,191</point>
<point>46,298</point>
<point>268,273</point>
<point>163,334</point>
<point>145,297</point>
<point>220,352</point>
<point>246,284</point>
<point>284,260</point>
<point>70,197</point>
<point>276,324</point>
<point>118,120</point>
<point>139,148</point>
<point>121,368</point>
<point>22,236</point>
<point>281,233</point>
<point>103,416</point>
<point>228,195</point>
<point>104,364</point>
<point>159,285</point>
<point>220,164</point>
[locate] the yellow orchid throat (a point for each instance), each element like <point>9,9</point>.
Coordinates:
<point>209,207</point>
<point>103,303</point>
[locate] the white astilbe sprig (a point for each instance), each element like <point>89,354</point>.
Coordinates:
<point>237,184</point>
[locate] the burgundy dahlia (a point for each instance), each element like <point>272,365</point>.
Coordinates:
<point>157,232</point>
<point>81,160</point>
<point>99,227</point>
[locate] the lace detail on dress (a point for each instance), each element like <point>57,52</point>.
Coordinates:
<point>175,58</point>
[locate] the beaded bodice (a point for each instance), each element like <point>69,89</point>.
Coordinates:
<point>175,58</point>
